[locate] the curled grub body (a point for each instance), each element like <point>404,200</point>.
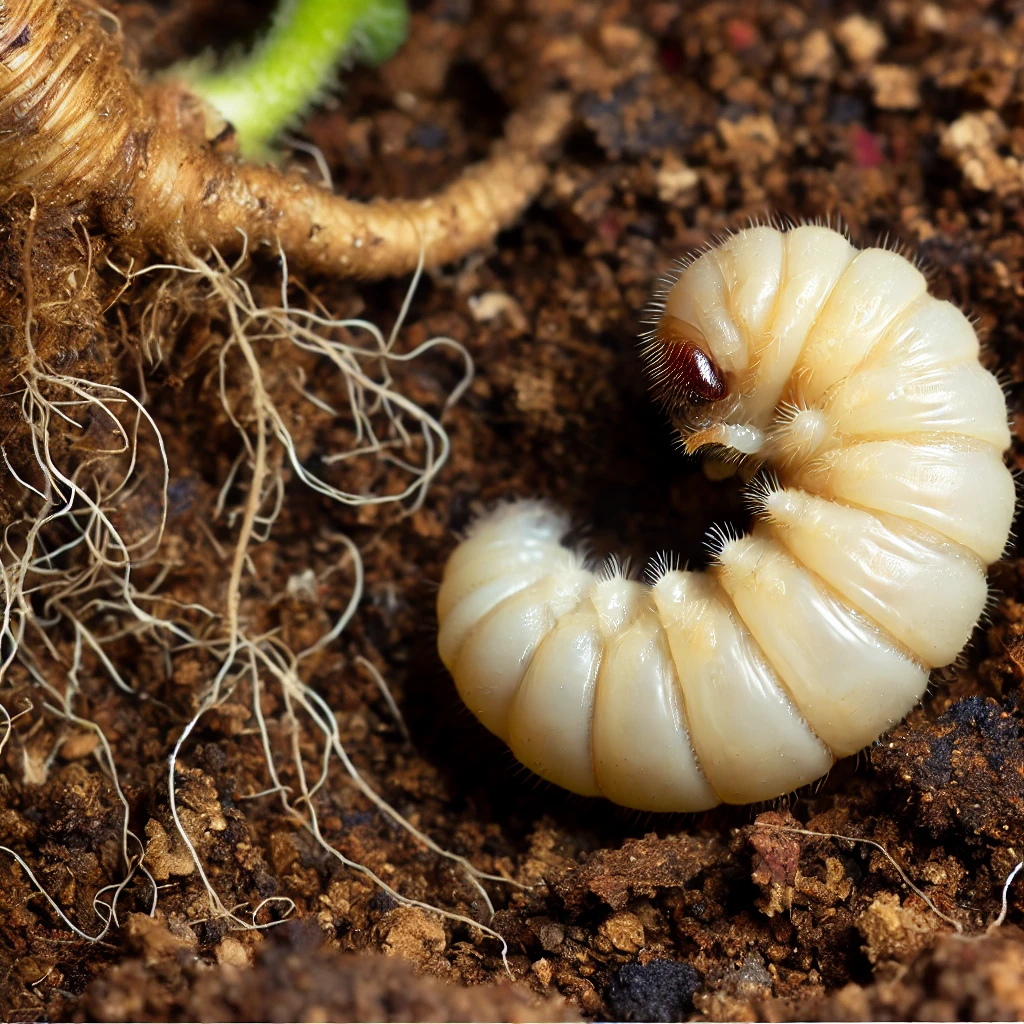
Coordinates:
<point>808,638</point>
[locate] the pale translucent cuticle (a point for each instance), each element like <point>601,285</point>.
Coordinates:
<point>812,636</point>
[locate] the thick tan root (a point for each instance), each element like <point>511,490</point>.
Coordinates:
<point>77,129</point>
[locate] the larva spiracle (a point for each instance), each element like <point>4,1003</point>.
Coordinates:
<point>807,638</point>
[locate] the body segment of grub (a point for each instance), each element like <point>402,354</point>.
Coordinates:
<point>807,638</point>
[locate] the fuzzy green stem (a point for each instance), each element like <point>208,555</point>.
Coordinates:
<point>295,63</point>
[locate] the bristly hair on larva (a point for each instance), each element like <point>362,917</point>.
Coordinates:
<point>718,538</point>
<point>759,491</point>
<point>881,499</point>
<point>661,565</point>
<point>614,568</point>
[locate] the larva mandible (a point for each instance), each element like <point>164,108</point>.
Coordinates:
<point>807,638</point>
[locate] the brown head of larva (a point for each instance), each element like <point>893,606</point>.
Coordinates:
<point>682,374</point>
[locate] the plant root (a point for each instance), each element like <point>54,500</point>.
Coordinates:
<point>79,583</point>
<point>96,171</point>
<point>79,130</point>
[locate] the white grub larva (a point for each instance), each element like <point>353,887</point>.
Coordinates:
<point>808,638</point>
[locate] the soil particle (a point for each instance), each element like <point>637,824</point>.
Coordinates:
<point>293,978</point>
<point>639,868</point>
<point>660,990</point>
<point>979,978</point>
<point>862,40</point>
<point>893,931</point>
<point>962,771</point>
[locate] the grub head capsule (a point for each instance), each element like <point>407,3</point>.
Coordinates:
<point>683,374</point>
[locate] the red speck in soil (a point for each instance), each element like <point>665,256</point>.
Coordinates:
<point>740,34</point>
<point>866,148</point>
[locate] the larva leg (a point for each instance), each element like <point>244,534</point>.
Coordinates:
<point>809,638</point>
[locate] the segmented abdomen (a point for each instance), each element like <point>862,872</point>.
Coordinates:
<point>806,639</point>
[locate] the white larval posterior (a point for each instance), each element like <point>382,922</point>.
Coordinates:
<point>813,635</point>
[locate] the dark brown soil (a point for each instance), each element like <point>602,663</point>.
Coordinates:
<point>904,119</point>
